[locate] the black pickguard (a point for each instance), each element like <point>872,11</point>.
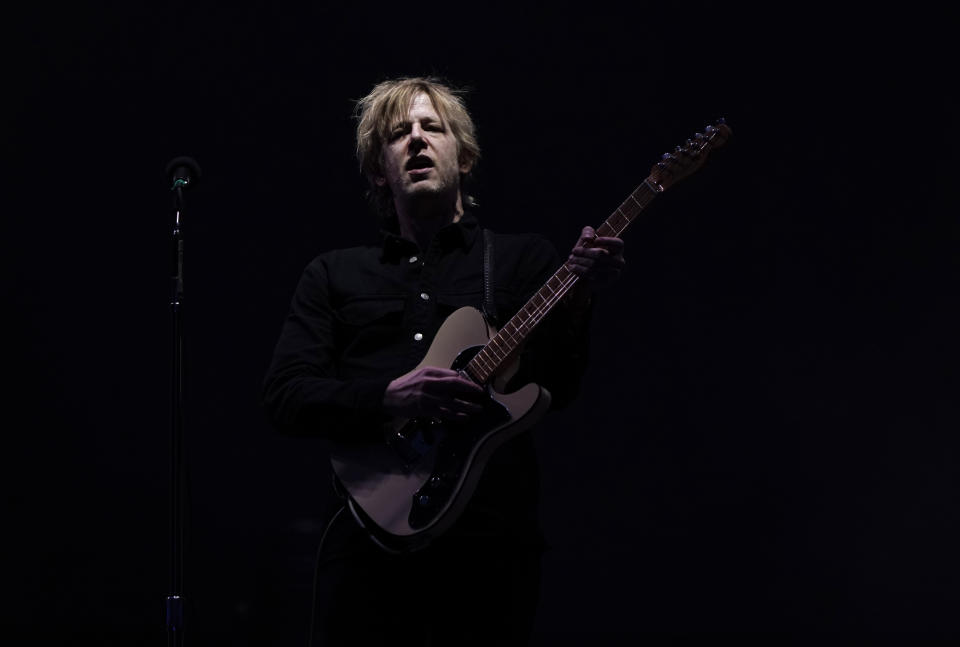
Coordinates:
<point>450,443</point>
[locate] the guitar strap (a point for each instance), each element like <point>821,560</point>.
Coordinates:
<point>489,305</point>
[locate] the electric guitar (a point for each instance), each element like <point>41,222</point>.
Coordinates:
<point>412,487</point>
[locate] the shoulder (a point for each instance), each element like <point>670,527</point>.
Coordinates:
<point>525,249</point>
<point>339,259</point>
<point>349,255</point>
<point>332,267</point>
<point>524,242</point>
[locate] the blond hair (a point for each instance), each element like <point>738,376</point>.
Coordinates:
<point>389,104</point>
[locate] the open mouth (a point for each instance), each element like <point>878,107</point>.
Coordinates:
<point>419,163</point>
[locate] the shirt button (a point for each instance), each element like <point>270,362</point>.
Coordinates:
<point>424,296</point>
<point>418,336</point>
<point>414,259</point>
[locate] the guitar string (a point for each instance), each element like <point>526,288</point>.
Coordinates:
<point>541,310</point>
<point>485,365</point>
<point>533,318</point>
<point>493,347</point>
<point>531,322</point>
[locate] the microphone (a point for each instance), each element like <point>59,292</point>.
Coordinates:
<point>182,172</point>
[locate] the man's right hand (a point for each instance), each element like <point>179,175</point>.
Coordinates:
<point>431,391</point>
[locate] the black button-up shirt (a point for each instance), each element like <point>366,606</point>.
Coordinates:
<point>363,316</point>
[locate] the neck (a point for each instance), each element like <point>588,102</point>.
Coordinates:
<point>420,222</point>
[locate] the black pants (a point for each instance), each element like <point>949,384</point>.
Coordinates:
<point>465,589</point>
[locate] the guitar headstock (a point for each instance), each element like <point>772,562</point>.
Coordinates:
<point>687,159</point>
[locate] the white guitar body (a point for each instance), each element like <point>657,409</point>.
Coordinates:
<point>413,486</point>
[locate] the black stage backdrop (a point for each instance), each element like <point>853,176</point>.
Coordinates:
<point>766,442</point>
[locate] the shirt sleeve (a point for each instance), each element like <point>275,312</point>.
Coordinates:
<point>301,392</point>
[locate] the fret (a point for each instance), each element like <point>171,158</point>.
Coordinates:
<point>471,372</point>
<point>511,340</point>
<point>654,186</point>
<point>624,219</point>
<point>606,230</point>
<point>630,210</point>
<point>483,364</point>
<point>493,350</point>
<point>491,357</point>
<point>642,196</point>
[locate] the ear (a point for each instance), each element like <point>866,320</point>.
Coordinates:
<point>466,166</point>
<point>379,180</point>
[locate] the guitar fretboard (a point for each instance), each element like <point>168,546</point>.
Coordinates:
<point>492,357</point>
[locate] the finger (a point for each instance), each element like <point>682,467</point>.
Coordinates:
<point>457,409</point>
<point>437,372</point>
<point>590,252</point>
<point>602,259</point>
<point>464,406</point>
<point>587,236</point>
<point>445,414</point>
<point>456,387</point>
<point>453,416</point>
<point>457,405</point>
<point>609,243</point>
<point>580,264</point>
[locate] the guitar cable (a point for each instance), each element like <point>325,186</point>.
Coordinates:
<point>316,575</point>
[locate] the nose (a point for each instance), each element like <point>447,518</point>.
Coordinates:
<point>417,140</point>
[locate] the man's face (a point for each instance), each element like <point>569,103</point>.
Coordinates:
<point>419,159</point>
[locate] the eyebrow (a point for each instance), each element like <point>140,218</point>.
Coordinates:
<point>403,123</point>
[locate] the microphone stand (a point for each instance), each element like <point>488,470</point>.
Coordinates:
<point>175,598</point>
<point>184,169</point>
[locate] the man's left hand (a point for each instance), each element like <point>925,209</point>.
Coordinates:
<point>597,260</point>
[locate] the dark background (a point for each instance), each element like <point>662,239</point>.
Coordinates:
<point>765,445</point>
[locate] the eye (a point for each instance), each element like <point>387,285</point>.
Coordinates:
<point>398,131</point>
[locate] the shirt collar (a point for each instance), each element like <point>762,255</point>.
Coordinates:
<point>458,234</point>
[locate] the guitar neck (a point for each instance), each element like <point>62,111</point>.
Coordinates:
<point>491,359</point>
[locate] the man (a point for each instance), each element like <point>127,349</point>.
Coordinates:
<point>363,318</point>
